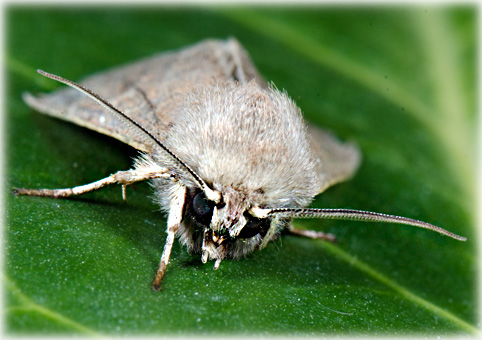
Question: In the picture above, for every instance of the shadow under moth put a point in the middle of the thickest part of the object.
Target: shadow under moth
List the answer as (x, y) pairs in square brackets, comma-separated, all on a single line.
[(229, 156)]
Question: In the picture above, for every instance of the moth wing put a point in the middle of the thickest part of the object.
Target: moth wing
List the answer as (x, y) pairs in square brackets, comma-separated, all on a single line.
[(149, 90), (337, 161)]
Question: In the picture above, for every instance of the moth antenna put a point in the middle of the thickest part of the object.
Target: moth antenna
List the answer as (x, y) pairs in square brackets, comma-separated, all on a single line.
[(210, 194), (349, 214)]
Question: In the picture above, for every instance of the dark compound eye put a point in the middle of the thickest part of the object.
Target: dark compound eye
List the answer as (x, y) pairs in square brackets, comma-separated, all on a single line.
[(202, 208), (254, 226)]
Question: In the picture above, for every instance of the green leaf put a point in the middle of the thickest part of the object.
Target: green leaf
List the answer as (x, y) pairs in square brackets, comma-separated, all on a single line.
[(399, 81)]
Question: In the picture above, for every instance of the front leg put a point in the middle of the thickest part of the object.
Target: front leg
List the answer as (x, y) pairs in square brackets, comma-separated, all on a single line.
[(121, 177), (173, 222)]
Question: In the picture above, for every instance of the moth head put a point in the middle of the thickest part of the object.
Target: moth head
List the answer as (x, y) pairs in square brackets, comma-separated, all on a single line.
[(226, 228)]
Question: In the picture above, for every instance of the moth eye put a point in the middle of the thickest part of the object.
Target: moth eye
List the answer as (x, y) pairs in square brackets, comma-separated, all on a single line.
[(202, 208), (254, 226)]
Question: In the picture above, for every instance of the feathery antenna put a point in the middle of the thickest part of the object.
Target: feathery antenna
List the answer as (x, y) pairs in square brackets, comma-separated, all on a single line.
[(349, 214)]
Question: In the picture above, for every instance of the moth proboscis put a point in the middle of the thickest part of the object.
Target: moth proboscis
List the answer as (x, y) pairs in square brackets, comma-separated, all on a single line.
[(229, 156)]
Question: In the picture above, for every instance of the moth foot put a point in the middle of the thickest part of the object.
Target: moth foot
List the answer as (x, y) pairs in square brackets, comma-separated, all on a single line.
[(318, 235)]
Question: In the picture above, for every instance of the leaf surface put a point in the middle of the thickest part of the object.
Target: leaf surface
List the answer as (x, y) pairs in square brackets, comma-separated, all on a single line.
[(398, 81)]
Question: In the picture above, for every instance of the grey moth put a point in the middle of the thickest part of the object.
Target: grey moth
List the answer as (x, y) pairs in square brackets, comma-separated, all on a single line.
[(228, 155)]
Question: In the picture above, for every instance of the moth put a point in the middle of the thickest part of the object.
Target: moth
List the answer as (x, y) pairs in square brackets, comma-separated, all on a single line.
[(229, 156)]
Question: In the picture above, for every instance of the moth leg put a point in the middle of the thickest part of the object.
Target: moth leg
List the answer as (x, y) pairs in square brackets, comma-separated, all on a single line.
[(270, 235), (124, 194), (121, 177), (311, 234), (173, 222)]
